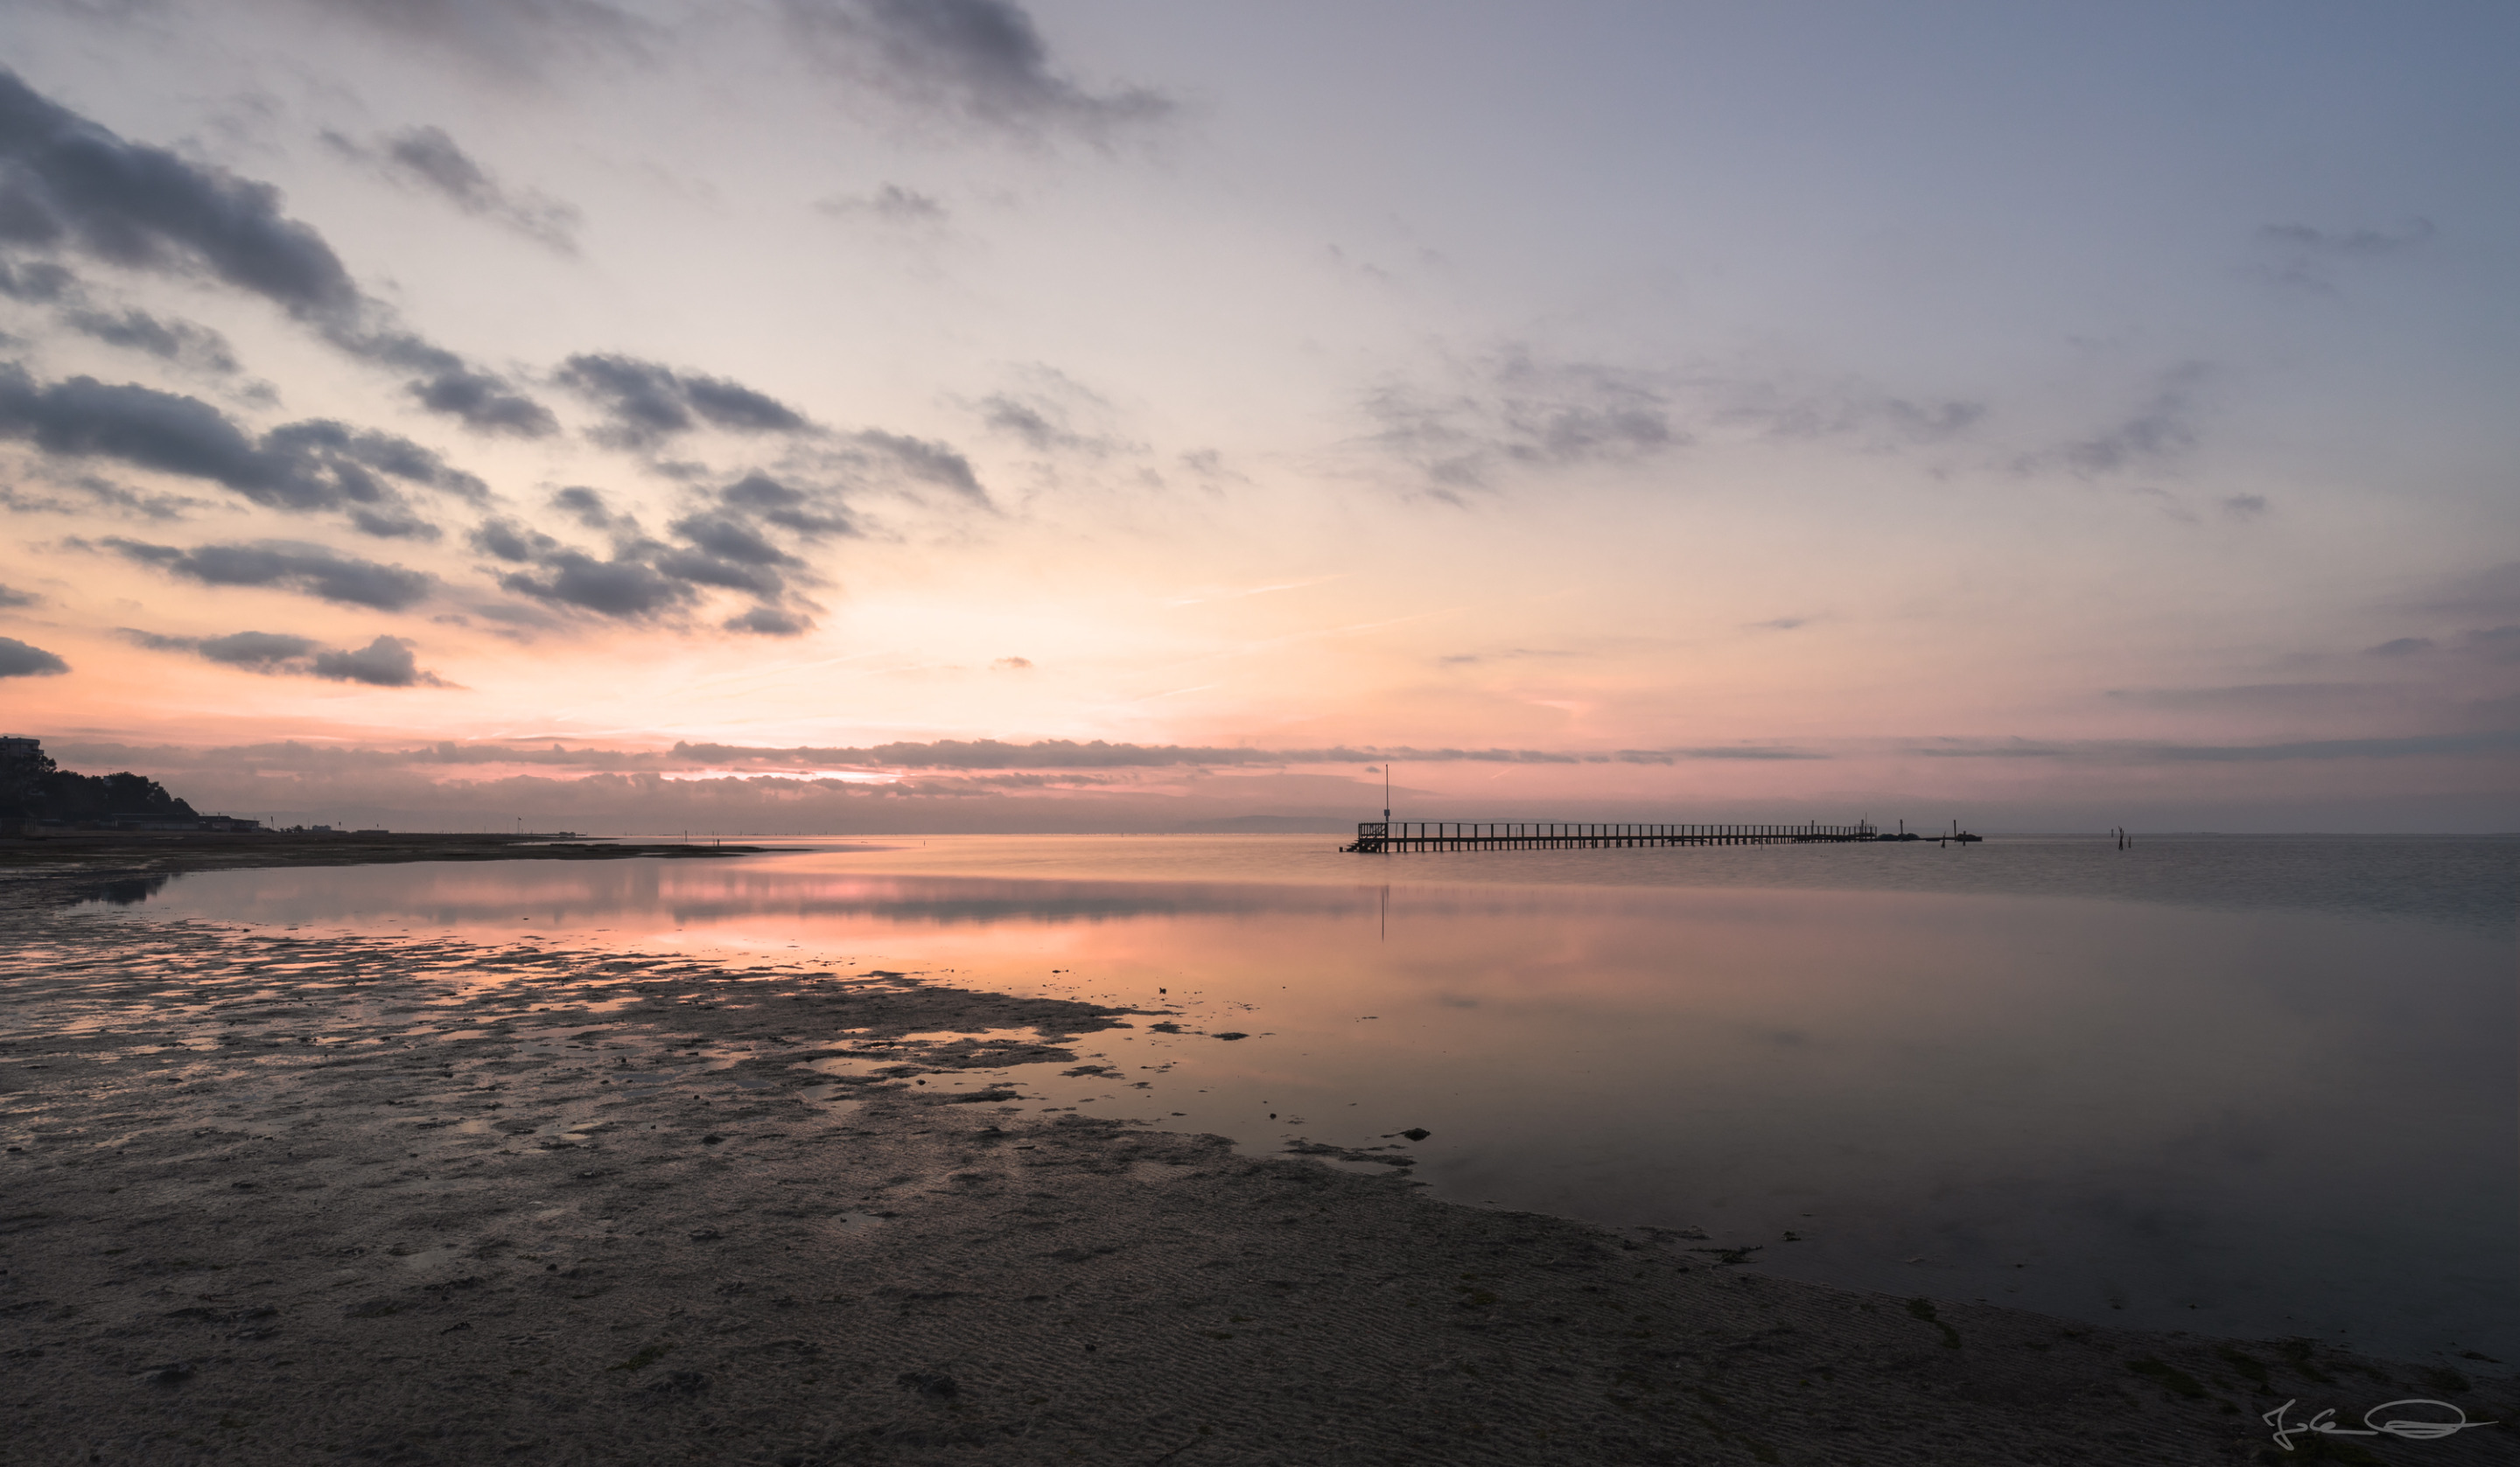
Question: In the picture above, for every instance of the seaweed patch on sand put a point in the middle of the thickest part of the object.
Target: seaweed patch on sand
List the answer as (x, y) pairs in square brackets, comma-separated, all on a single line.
[(271, 1200)]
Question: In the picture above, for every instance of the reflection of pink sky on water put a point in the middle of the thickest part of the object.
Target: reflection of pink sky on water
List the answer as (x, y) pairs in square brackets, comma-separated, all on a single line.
[(2066, 1104)]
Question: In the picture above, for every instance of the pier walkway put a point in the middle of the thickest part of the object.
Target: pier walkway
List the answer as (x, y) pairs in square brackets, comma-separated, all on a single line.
[(1378, 837)]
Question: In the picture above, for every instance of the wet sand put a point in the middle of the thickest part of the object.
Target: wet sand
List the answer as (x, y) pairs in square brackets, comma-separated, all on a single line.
[(281, 1200)]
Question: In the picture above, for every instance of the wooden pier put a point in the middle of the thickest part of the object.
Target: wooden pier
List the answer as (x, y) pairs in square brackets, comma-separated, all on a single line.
[(1379, 838)]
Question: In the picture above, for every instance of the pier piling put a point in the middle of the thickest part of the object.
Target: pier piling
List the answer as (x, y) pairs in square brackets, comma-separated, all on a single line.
[(1378, 837)]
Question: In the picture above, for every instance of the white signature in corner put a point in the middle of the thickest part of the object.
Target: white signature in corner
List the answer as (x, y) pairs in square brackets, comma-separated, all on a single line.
[(2411, 1429)]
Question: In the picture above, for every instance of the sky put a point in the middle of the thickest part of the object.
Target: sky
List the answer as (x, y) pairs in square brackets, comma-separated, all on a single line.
[(890, 415)]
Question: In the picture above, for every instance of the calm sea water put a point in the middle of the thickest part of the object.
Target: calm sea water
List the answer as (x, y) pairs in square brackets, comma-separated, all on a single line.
[(2264, 1086)]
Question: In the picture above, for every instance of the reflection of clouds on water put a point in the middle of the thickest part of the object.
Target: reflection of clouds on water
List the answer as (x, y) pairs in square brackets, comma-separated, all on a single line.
[(552, 898), (2473, 882), (521, 891), (2147, 1114)]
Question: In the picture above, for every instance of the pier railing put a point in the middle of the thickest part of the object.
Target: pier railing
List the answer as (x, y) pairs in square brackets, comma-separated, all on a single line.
[(1377, 836)]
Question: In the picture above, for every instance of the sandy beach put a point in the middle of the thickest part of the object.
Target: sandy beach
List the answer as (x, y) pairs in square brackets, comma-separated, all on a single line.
[(427, 1201)]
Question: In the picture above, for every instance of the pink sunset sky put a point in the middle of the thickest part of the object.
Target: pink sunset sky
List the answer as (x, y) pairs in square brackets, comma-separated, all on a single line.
[(890, 415)]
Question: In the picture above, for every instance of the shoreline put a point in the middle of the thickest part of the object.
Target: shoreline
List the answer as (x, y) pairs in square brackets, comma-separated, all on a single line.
[(415, 1200)]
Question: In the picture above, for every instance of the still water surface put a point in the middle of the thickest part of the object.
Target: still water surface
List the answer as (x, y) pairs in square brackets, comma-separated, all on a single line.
[(2251, 1086)]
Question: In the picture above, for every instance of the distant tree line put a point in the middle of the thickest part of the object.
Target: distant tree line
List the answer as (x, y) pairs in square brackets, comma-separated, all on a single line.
[(33, 787)]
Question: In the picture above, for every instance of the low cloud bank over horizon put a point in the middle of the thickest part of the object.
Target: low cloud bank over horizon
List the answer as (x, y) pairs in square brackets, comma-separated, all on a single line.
[(1063, 785)]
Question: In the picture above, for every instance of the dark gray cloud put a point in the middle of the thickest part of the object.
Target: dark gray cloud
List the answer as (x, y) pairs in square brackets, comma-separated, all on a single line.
[(2262, 697), (2356, 243), (1516, 406), (1024, 421), (254, 649), (729, 538), (304, 467), (2402, 646), (427, 158), (512, 542), (2496, 643), (2408, 746), (890, 204), (810, 517), (178, 341), (18, 660), (2013, 748), (1795, 411), (730, 541), (625, 587), (317, 440), (1061, 753), (1931, 421), (67, 184), (976, 61), (39, 282), (710, 567), (1721, 751), (45, 282), (485, 403), (504, 35), (648, 402), (2489, 594), (2411, 747), (1516, 409), (2157, 431), (2302, 256), (11, 597), (482, 401), (1521, 412), (1044, 421), (96, 494), (1208, 463), (769, 621), (386, 662), (289, 565), (587, 506), (931, 463), (739, 408)]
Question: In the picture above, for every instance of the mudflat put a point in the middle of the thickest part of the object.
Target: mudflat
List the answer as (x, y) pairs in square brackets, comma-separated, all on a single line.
[(418, 1201)]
